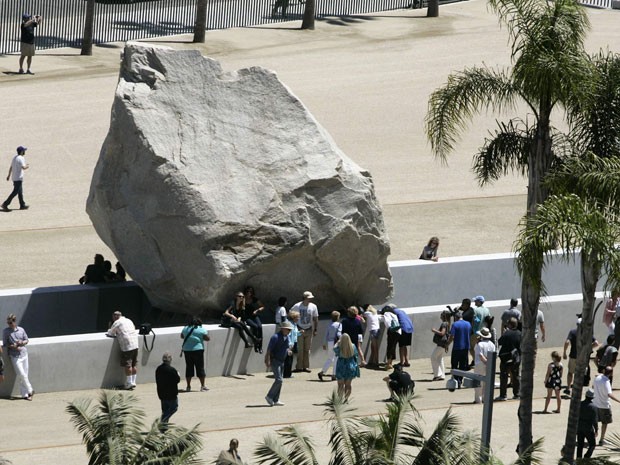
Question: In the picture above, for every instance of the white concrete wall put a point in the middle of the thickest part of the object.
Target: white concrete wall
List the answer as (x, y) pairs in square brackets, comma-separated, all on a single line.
[(84, 361)]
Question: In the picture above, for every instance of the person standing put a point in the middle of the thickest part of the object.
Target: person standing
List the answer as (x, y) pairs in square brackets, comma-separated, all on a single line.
[(571, 341), (602, 394), (512, 312), (483, 351), (347, 365), (15, 339), (125, 333), (1, 366), (390, 320), (194, 336), (16, 173), (281, 312), (459, 334), (29, 23), (277, 350), (167, 380), (406, 335), (308, 324), (480, 315), (587, 428), (332, 334), (510, 360), (440, 339)]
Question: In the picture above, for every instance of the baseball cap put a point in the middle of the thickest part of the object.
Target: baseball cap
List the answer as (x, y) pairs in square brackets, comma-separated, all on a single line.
[(26, 16), (308, 295), (478, 297), (22, 148)]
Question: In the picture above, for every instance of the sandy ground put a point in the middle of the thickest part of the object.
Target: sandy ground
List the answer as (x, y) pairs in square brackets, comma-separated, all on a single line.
[(366, 79)]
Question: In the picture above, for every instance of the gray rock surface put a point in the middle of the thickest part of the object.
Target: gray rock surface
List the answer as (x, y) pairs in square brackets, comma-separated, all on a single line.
[(208, 181)]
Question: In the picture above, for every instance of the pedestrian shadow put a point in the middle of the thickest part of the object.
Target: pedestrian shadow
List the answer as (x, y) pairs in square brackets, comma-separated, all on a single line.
[(258, 406)]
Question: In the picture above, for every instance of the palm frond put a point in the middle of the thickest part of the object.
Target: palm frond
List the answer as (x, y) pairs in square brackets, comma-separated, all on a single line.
[(300, 446), (506, 151), (344, 439), (451, 107), (272, 451), (532, 455)]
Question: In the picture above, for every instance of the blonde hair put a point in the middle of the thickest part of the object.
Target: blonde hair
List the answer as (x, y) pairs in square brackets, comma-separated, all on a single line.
[(346, 346), (293, 315), (556, 356), (335, 315), (352, 311), (371, 309)]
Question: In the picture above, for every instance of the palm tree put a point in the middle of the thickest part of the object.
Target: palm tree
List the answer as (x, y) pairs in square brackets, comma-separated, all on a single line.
[(549, 69), (87, 36), (113, 433), (200, 26), (583, 214), (394, 438), (309, 14)]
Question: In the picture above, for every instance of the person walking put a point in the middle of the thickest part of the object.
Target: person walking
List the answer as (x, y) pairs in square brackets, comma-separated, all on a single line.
[(16, 173), (308, 324), (587, 428), (27, 49), (125, 333), (553, 381), (15, 339), (602, 396), (347, 365), (167, 380), (277, 350), (194, 337)]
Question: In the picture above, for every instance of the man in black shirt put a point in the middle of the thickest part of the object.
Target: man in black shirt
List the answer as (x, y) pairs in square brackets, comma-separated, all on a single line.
[(399, 382), (27, 40), (510, 360), (587, 428), (167, 380)]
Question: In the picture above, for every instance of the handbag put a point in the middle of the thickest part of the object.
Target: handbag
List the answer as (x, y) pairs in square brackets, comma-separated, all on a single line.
[(394, 326)]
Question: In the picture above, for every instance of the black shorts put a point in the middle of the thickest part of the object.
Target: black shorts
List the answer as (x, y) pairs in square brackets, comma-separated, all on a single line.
[(405, 339)]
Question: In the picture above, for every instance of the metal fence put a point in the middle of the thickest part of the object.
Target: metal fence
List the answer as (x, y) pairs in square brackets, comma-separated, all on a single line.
[(122, 20)]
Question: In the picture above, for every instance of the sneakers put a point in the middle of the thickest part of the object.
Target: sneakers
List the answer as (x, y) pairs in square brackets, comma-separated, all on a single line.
[(21, 71), (501, 398), (269, 401), (278, 404), (29, 72), (24, 207), (204, 389), (307, 370), (5, 208), (130, 387), (320, 374), (516, 397)]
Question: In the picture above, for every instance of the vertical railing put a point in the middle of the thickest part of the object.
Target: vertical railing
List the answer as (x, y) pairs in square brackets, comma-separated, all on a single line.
[(63, 22)]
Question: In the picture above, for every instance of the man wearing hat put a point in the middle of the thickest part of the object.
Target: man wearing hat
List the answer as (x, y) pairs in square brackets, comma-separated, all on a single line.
[(308, 324), (16, 173), (587, 428), (29, 23), (482, 352), (277, 351), (480, 315)]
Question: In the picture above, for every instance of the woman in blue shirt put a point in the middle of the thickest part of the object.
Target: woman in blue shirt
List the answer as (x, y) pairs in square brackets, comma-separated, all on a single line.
[(194, 337), (347, 366)]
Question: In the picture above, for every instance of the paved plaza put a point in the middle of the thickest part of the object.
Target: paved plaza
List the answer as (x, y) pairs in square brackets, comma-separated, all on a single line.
[(367, 80)]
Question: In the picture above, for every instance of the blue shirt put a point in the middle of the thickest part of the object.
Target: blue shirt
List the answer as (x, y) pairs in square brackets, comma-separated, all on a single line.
[(460, 331), (195, 340), (278, 346), (403, 320)]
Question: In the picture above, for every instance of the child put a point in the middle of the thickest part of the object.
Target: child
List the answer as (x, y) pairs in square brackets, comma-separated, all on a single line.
[(333, 333), (553, 380), (293, 317), (372, 320)]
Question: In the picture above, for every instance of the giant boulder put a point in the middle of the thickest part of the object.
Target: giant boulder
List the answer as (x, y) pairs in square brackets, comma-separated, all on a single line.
[(208, 181)]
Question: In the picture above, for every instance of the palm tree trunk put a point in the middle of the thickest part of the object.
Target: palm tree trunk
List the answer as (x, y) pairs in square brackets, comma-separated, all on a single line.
[(309, 13), (432, 10), (539, 163), (590, 274), (87, 36), (200, 26)]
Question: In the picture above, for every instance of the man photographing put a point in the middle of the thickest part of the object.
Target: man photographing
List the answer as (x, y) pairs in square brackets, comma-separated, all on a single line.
[(29, 23)]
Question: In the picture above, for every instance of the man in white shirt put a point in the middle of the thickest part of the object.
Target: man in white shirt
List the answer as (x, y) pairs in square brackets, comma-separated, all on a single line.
[(18, 165), (602, 394), (308, 323), (125, 333), (482, 351)]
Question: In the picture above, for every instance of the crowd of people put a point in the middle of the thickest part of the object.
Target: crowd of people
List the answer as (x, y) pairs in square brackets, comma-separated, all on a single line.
[(100, 271)]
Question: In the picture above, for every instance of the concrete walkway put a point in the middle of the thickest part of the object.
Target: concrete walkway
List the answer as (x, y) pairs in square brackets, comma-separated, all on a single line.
[(39, 432)]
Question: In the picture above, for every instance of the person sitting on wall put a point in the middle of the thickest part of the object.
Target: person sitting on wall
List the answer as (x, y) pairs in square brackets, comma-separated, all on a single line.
[(95, 272), (399, 383)]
